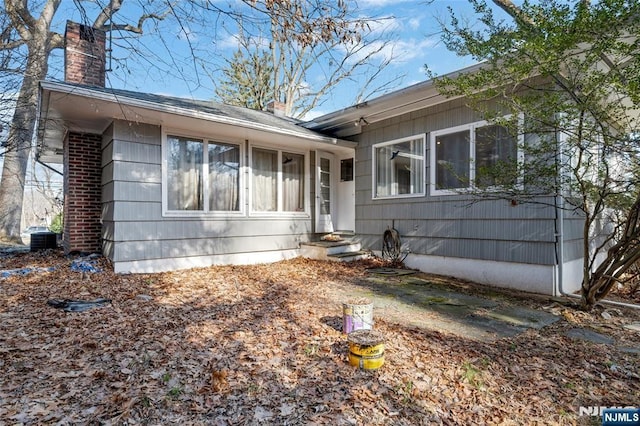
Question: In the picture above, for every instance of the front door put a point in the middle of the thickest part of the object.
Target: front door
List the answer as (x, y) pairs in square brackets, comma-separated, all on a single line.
[(324, 192)]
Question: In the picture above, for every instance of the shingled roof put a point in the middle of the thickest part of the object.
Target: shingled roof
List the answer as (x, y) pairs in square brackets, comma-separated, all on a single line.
[(60, 108)]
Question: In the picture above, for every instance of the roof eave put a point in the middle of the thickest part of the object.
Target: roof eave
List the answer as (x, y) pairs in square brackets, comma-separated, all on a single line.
[(49, 86), (405, 100)]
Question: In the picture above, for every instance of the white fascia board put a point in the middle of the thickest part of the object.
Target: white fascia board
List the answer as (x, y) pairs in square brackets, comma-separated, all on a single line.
[(170, 109)]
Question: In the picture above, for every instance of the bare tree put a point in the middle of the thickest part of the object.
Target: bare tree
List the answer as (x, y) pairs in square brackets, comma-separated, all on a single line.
[(31, 35), (301, 34)]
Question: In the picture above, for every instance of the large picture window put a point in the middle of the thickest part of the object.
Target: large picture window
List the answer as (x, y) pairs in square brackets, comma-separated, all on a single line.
[(478, 155), (278, 181), (399, 167), (202, 176)]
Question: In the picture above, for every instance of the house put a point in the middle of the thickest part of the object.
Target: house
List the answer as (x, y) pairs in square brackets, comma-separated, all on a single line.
[(159, 183), (413, 145)]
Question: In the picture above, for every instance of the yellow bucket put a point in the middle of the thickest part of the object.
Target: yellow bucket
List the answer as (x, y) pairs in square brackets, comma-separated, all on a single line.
[(366, 349)]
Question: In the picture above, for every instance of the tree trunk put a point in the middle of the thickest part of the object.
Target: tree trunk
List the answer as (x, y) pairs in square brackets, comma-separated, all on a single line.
[(19, 140)]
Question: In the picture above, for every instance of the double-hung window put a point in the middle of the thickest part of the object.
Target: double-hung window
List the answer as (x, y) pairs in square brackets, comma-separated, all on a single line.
[(277, 181), (202, 176), (480, 155), (399, 168)]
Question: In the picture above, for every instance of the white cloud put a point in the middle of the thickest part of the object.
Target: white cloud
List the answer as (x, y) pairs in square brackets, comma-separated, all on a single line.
[(414, 23), (314, 114), (412, 48), (185, 34), (399, 51), (383, 24), (229, 42), (232, 41)]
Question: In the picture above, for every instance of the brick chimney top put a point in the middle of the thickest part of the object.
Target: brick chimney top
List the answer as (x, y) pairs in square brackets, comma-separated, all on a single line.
[(279, 109), (84, 55)]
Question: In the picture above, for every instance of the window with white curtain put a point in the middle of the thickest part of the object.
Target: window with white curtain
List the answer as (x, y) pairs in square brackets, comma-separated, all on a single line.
[(399, 167), (264, 180), (224, 177), (277, 181), (478, 154), (202, 175), (292, 182), (184, 173)]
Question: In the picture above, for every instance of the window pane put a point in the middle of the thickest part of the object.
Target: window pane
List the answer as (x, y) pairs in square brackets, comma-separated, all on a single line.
[(496, 156), (224, 177), (264, 182), (400, 168), (452, 160), (346, 170), (184, 174), (292, 182), (325, 186)]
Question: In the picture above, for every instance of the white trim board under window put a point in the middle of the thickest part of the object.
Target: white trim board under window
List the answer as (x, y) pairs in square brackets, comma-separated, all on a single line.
[(460, 155), (398, 168), (201, 176)]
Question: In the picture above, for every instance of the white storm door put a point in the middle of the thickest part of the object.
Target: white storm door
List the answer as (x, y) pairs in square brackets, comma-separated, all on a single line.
[(324, 192)]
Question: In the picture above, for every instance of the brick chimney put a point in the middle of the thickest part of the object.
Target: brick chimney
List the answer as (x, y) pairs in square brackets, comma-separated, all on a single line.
[(84, 63), (84, 55), (279, 109)]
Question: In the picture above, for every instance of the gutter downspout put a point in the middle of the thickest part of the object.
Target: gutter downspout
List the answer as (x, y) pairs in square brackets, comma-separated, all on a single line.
[(559, 207), (36, 157)]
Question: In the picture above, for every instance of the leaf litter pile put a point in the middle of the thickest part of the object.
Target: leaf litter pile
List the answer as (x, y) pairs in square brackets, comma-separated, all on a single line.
[(263, 345)]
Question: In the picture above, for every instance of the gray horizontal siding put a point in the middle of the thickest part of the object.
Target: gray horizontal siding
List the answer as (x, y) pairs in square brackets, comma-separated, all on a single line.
[(493, 250), (476, 229), (137, 152), (136, 172), (178, 229), (139, 133), (573, 228), (132, 202), (453, 226), (107, 189), (132, 211), (169, 249), (449, 209), (132, 191)]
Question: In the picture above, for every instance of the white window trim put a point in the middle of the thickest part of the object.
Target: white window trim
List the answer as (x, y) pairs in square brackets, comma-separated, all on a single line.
[(472, 149), (205, 160), (373, 168), (307, 183)]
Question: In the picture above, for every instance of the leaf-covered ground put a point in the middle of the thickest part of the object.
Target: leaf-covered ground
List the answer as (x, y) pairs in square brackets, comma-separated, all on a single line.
[(262, 345)]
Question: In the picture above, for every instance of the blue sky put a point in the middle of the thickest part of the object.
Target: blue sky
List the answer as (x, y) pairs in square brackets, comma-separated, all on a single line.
[(166, 66)]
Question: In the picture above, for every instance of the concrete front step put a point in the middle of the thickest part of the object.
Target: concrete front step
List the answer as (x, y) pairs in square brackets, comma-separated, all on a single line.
[(343, 251), (350, 256)]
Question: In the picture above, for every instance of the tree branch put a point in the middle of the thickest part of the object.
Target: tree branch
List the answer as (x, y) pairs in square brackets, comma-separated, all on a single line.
[(107, 14), (20, 17), (56, 41), (515, 12), (12, 44)]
